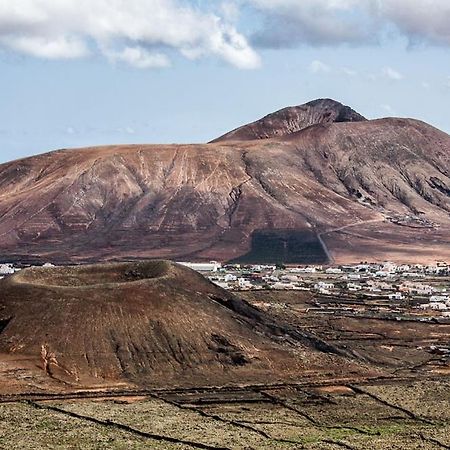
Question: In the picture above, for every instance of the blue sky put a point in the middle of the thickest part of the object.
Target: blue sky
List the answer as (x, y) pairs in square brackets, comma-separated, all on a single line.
[(79, 73)]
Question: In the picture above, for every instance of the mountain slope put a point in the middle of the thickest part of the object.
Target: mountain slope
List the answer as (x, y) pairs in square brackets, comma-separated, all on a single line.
[(363, 189)]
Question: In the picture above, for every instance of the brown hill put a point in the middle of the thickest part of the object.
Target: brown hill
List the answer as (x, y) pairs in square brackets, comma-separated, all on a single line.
[(292, 119), (148, 323), (342, 191)]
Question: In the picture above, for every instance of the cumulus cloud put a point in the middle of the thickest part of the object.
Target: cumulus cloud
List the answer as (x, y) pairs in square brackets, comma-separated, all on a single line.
[(142, 33), (332, 22)]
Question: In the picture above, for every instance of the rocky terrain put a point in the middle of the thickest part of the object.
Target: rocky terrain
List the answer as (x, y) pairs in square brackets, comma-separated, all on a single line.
[(360, 189)]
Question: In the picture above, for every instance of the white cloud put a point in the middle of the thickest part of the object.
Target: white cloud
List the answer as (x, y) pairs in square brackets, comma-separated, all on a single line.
[(59, 47), (230, 10), (426, 85), (139, 57), (391, 74), (316, 22), (139, 32), (355, 22), (319, 67)]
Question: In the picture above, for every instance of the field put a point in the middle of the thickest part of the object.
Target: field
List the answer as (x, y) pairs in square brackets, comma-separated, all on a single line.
[(404, 405), (376, 416), (284, 246)]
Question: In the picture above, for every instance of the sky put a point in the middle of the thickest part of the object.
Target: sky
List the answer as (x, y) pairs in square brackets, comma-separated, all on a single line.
[(77, 73)]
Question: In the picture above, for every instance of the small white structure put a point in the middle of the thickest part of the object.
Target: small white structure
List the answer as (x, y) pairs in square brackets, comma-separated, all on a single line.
[(244, 284), (321, 285), (439, 298), (284, 286), (333, 270), (389, 266), (291, 278), (230, 277), (383, 274), (396, 296), (354, 276), (6, 269), (212, 266), (354, 287), (303, 270)]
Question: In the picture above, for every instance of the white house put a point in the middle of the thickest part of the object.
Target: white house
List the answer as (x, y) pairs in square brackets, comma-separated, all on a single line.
[(243, 283), (6, 269), (230, 277), (353, 287)]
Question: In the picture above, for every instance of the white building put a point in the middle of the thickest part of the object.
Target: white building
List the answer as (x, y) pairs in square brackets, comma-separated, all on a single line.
[(321, 285), (396, 296), (230, 277), (439, 298), (354, 287), (303, 270), (212, 266), (244, 284), (6, 269)]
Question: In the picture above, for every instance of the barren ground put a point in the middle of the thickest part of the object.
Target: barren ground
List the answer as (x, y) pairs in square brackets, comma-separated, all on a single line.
[(406, 408)]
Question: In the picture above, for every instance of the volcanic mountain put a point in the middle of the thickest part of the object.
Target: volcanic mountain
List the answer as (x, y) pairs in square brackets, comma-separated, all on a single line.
[(292, 119), (313, 183), (146, 323)]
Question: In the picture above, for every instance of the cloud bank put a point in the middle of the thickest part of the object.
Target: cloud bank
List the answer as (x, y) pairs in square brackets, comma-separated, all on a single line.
[(141, 33), (288, 23), (147, 33)]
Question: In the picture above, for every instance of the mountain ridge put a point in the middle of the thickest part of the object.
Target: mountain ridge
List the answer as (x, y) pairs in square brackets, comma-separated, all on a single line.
[(360, 189)]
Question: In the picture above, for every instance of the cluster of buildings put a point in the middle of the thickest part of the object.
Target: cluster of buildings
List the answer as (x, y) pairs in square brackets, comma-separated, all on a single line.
[(428, 284)]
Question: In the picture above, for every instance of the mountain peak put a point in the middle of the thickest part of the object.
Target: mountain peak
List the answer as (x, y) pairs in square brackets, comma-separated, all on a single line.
[(292, 119)]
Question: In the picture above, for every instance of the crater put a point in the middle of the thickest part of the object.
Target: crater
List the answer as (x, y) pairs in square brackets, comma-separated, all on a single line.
[(103, 274)]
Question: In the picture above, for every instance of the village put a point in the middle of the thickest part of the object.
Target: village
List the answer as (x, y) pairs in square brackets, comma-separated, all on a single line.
[(419, 287)]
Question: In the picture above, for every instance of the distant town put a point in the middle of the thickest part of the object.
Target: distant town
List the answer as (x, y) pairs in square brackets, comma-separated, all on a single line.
[(422, 287)]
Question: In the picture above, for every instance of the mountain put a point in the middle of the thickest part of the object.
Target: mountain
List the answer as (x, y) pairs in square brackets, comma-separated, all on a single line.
[(292, 119), (340, 190), (145, 323)]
